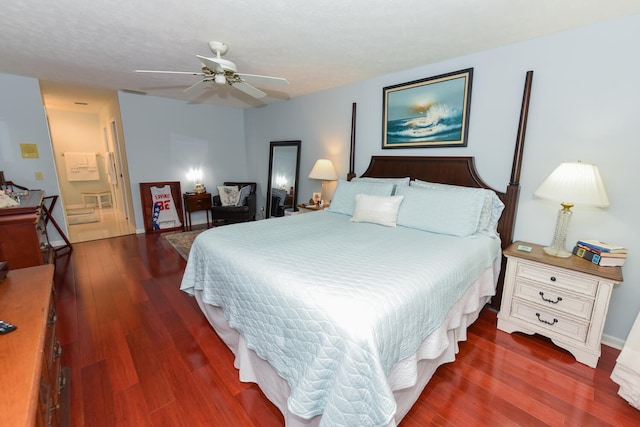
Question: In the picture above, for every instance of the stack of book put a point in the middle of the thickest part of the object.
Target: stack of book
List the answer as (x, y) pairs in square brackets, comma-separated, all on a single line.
[(600, 253)]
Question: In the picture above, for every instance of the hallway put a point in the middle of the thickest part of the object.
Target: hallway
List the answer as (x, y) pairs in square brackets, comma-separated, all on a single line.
[(111, 224)]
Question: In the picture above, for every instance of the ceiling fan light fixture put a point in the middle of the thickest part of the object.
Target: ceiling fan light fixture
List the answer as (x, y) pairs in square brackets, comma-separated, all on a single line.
[(220, 79)]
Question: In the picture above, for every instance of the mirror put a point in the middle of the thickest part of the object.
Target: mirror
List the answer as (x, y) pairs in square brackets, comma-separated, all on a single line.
[(282, 186)]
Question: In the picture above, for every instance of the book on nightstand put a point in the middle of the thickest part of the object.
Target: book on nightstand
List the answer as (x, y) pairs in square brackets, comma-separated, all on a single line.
[(599, 247), (602, 259)]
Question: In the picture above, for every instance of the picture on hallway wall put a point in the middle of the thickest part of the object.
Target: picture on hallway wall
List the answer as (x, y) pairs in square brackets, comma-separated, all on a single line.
[(432, 112), (161, 206)]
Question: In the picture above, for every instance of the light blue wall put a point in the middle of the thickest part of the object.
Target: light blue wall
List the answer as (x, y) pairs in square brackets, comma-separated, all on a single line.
[(584, 106), (23, 121), (166, 138)]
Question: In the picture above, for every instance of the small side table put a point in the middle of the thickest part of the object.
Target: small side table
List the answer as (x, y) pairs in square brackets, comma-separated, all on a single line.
[(564, 299), (195, 202), (302, 208)]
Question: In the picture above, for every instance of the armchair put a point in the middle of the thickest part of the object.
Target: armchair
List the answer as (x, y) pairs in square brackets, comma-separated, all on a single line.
[(233, 214)]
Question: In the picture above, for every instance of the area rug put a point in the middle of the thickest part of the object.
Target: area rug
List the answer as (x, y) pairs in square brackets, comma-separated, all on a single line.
[(182, 241), (82, 219), (80, 211)]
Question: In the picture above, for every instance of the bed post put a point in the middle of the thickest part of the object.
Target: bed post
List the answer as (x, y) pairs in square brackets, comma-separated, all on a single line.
[(352, 151), (513, 189)]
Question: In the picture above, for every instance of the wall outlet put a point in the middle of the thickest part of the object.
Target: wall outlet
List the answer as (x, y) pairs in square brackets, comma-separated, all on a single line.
[(39, 176), (262, 208)]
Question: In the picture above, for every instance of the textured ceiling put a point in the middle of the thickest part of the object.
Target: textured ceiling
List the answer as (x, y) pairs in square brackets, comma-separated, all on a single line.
[(315, 45)]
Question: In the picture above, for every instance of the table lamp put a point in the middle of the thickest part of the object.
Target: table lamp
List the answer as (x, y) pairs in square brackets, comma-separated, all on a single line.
[(324, 170), (571, 184)]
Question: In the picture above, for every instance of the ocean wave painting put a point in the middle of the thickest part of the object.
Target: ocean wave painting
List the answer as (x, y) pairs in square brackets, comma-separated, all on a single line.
[(439, 123), (429, 112)]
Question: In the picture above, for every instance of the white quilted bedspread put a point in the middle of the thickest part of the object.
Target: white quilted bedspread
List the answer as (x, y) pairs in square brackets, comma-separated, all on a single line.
[(333, 305)]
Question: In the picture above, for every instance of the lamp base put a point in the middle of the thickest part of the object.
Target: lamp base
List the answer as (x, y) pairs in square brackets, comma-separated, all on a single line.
[(559, 252), (557, 246)]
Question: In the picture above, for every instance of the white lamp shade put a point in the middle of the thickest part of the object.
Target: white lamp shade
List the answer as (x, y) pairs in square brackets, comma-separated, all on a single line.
[(577, 183), (323, 169)]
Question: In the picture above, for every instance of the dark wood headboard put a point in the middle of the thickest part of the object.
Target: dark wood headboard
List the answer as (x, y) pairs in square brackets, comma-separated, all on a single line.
[(460, 171), (448, 170)]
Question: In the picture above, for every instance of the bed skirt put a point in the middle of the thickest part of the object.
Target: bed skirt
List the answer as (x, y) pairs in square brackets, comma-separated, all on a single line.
[(407, 379)]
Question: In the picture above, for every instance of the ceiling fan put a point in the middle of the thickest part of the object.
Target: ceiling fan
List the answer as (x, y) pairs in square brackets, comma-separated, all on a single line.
[(223, 71)]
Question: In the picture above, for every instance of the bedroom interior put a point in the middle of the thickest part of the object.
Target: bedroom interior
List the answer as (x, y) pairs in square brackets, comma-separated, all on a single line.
[(581, 109)]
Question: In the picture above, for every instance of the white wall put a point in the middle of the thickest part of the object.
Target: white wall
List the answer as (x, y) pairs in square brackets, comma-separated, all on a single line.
[(584, 106), (166, 138), (23, 121)]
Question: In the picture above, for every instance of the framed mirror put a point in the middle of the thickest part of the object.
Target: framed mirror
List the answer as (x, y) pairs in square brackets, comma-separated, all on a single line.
[(282, 185)]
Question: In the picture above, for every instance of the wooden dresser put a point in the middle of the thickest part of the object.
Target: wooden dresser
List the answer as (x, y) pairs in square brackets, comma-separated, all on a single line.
[(23, 240), (31, 379)]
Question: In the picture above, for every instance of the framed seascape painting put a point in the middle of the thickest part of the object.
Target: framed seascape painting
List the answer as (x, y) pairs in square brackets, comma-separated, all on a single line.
[(432, 112)]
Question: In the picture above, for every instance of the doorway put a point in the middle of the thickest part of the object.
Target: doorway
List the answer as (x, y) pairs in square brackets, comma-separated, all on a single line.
[(88, 149)]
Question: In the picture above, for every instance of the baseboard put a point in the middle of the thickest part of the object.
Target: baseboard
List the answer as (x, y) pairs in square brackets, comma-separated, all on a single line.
[(613, 342)]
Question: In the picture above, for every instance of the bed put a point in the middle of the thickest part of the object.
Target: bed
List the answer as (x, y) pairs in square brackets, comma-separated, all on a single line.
[(340, 316)]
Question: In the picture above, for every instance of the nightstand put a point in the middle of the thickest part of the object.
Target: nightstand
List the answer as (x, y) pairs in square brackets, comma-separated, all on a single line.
[(564, 299), (302, 208), (195, 202)]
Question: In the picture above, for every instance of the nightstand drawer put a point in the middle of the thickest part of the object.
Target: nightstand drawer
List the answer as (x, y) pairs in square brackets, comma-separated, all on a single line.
[(550, 320), (553, 298), (556, 278), (198, 203)]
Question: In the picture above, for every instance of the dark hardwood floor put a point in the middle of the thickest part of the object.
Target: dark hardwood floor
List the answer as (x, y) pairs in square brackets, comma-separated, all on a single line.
[(141, 354)]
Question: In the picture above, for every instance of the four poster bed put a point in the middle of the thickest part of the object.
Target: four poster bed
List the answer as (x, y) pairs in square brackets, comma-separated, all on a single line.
[(342, 316)]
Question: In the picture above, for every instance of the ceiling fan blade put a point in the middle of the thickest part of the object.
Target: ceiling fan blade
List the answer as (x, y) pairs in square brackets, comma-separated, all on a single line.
[(191, 73), (249, 90), (211, 63), (197, 84), (254, 78)]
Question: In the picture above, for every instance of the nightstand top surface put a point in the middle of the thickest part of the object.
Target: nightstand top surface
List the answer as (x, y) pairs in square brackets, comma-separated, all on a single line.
[(574, 263)]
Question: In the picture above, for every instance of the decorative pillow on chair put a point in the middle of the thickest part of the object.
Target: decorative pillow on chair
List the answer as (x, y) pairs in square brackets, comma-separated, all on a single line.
[(280, 194), (229, 195), (243, 194)]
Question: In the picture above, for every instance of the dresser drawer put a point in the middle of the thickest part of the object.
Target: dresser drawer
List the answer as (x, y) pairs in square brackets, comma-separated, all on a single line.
[(549, 320), (556, 278), (554, 298)]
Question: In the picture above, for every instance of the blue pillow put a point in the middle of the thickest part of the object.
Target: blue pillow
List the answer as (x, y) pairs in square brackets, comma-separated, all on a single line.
[(445, 212), (243, 194), (344, 198), (395, 181), (491, 210)]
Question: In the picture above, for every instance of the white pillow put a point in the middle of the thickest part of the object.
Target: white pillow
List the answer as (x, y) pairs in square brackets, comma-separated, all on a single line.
[(229, 194), (491, 209), (344, 198), (445, 212), (381, 210)]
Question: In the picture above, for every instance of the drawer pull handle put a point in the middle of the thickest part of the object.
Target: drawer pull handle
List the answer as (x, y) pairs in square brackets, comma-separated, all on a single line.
[(57, 351), (546, 321), (549, 300), (552, 278)]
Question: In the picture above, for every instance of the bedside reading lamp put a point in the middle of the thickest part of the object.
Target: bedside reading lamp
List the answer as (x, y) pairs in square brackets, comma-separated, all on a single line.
[(195, 175), (324, 170), (579, 183)]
